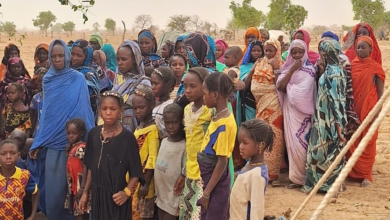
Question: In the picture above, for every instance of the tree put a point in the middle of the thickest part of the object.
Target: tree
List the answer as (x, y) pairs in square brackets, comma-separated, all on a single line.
[(69, 26), (56, 28), (9, 28), (96, 27), (207, 28), (143, 21), (372, 12), (197, 23), (44, 20), (294, 17), (82, 7), (245, 15), (110, 25), (179, 22)]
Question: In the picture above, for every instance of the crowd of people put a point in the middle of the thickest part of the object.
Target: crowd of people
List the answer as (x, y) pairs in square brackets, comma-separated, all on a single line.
[(197, 131)]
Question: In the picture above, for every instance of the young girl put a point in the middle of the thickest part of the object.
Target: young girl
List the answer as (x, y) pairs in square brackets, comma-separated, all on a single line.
[(163, 82), (113, 163), (15, 115), (148, 142), (247, 196), (196, 119), (148, 44), (41, 57), (167, 50), (75, 131), (170, 163), (217, 147), (36, 104), (178, 64)]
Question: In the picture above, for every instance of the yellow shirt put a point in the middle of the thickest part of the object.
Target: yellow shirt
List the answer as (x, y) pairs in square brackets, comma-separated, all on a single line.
[(148, 143), (195, 126), (220, 137)]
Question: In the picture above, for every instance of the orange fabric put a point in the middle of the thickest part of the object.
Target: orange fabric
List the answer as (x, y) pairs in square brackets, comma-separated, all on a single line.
[(365, 94), (250, 31), (376, 52), (3, 70), (44, 46)]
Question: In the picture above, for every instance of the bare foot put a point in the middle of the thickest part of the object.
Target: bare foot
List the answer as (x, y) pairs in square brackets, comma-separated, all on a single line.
[(293, 186), (276, 183), (365, 183)]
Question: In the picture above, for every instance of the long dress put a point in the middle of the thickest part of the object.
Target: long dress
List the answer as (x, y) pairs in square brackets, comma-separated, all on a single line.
[(111, 165)]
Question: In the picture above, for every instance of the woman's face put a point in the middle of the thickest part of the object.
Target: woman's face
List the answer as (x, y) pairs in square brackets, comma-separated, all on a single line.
[(125, 59), (270, 51), (165, 51), (256, 53), (146, 44), (299, 36), (77, 57), (42, 55), (95, 45), (363, 49), (250, 38), (58, 57), (15, 69), (13, 53), (180, 48), (218, 52), (297, 53), (362, 31)]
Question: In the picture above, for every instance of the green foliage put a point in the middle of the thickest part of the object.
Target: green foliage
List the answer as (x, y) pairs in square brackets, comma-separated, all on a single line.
[(69, 26), (81, 7), (232, 25), (44, 20), (56, 28), (110, 25), (96, 27), (275, 17), (207, 28), (245, 15), (179, 22), (372, 12), (197, 23), (9, 28), (143, 21), (294, 17)]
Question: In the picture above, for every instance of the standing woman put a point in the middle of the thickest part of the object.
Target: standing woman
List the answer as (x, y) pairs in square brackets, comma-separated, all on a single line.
[(297, 90), (221, 47), (302, 34), (130, 76), (109, 50), (82, 55), (251, 34), (264, 76), (368, 80), (148, 45), (11, 50), (330, 117), (364, 29), (66, 96), (200, 51)]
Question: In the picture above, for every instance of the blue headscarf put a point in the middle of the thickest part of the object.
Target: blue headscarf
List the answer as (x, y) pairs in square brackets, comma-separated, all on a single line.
[(109, 50), (331, 35), (151, 59), (247, 55)]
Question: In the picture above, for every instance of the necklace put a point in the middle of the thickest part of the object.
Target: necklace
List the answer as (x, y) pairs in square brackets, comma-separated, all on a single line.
[(218, 113), (142, 125), (105, 141), (257, 164), (107, 132)]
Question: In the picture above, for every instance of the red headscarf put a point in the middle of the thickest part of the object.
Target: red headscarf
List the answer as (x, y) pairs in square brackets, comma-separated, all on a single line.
[(376, 52), (250, 31), (313, 56), (223, 45)]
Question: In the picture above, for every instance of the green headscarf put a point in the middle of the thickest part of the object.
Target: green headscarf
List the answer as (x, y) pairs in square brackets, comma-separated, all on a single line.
[(96, 36)]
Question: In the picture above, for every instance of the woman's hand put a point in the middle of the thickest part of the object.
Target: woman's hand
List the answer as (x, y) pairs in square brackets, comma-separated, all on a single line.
[(179, 185), (274, 63), (143, 191), (205, 201), (83, 201), (120, 198), (321, 66), (34, 154), (297, 64)]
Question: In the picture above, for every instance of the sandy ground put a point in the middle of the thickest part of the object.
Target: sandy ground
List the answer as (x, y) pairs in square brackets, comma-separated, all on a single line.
[(356, 203)]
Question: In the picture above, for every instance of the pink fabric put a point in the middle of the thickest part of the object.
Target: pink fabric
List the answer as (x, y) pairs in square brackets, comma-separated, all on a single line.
[(313, 56), (298, 107), (103, 63), (223, 45)]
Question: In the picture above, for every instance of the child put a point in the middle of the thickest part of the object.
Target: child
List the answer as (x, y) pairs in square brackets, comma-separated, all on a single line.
[(149, 71), (233, 55), (217, 148), (163, 82), (196, 119), (113, 163), (105, 74), (75, 131), (170, 162), (178, 64), (41, 57), (36, 104), (167, 50), (148, 143), (15, 115), (247, 196), (15, 183)]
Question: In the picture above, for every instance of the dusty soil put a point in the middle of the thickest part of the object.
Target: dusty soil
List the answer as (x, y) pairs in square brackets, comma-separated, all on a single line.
[(356, 203)]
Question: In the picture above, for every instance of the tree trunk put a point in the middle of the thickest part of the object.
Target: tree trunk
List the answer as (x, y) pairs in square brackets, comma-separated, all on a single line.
[(46, 33)]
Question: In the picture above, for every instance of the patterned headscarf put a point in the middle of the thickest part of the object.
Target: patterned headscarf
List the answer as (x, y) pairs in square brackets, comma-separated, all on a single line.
[(149, 34), (96, 36), (223, 45), (276, 44), (15, 60), (137, 55), (109, 50), (247, 55), (331, 49), (7, 50), (200, 50)]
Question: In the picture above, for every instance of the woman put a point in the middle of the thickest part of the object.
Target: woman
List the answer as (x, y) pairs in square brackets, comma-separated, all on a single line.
[(326, 137), (96, 41), (11, 50), (200, 51), (41, 57), (109, 50), (221, 47), (148, 45), (82, 55), (179, 45), (267, 103), (66, 96), (251, 34), (302, 34), (364, 29), (368, 80), (297, 90), (130, 75)]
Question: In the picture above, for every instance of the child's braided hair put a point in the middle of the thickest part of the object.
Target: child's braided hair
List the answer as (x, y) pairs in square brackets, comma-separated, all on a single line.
[(260, 131)]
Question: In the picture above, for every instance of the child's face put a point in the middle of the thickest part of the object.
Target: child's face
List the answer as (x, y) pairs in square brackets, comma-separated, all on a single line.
[(77, 57), (297, 53), (193, 87), (172, 124), (13, 94), (16, 69), (73, 134), (250, 38), (230, 59), (96, 58), (42, 55), (9, 154), (110, 110), (270, 51), (158, 87), (299, 36), (165, 51), (178, 66), (264, 37), (13, 53), (256, 52), (125, 59), (248, 146), (218, 52), (146, 44), (95, 45), (141, 107), (209, 97), (363, 49), (180, 48)]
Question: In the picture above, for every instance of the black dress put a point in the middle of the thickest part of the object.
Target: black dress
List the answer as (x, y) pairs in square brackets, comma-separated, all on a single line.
[(119, 156)]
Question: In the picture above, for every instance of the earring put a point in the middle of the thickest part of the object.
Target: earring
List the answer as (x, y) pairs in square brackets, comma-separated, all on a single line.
[(120, 121), (261, 147)]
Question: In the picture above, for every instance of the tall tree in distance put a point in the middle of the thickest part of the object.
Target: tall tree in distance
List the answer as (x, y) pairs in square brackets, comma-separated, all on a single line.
[(294, 17), (56, 28), (245, 15), (275, 16), (44, 20), (143, 21), (179, 22), (69, 26), (96, 27), (372, 12), (196, 22), (9, 27), (110, 25)]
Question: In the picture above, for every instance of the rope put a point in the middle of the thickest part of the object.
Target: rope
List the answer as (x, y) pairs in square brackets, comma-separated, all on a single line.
[(351, 162), (336, 162)]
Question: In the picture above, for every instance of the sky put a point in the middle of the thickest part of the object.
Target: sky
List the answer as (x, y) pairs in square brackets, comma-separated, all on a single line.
[(21, 12)]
